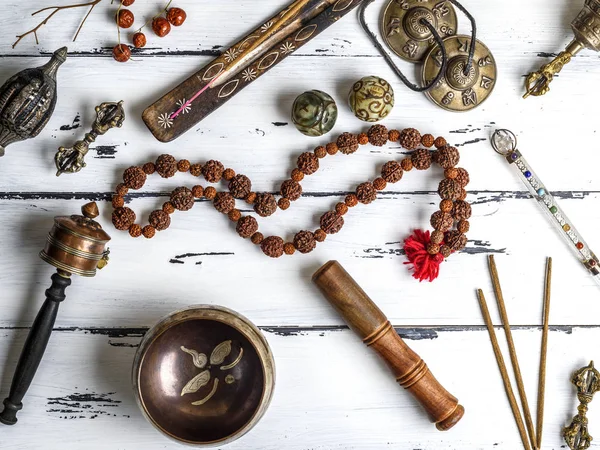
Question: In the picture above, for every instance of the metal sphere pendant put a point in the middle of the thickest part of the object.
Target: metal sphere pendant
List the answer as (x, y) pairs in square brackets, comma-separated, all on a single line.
[(403, 31), (371, 99), (459, 90), (314, 113)]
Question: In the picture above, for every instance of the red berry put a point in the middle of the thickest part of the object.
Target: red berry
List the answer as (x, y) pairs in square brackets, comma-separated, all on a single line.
[(125, 18), (176, 16), (121, 53), (139, 40), (161, 26), (127, 2)]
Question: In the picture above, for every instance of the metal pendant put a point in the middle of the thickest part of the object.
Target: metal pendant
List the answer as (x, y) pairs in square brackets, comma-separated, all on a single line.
[(403, 31), (457, 90)]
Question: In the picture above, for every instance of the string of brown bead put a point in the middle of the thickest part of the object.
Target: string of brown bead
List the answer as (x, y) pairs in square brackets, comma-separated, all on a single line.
[(445, 239)]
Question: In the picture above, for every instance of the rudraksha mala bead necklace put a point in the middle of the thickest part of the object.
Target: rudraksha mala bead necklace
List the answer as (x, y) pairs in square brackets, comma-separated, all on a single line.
[(425, 251)]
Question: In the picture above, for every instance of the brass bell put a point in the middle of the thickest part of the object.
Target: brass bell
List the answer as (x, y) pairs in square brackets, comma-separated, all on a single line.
[(586, 27)]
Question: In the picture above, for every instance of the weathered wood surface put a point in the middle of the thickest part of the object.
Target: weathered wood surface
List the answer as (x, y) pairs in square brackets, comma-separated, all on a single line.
[(83, 391)]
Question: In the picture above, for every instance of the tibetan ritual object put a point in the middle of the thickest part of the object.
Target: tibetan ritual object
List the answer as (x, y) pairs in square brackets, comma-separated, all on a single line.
[(27, 101), (75, 245), (587, 382), (204, 375), (373, 327), (314, 113), (250, 58), (586, 27), (71, 160)]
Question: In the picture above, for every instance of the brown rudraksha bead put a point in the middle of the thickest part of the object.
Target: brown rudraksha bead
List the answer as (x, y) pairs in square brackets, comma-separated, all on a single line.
[(393, 135), (379, 183), (272, 246), (441, 221), (437, 236), (449, 189), (366, 193), (228, 174), (123, 218), (331, 222), (213, 171), (148, 169), (410, 138), (462, 195), (446, 205), (224, 202), (320, 152), (463, 226), (447, 157), (462, 176), (196, 170), (183, 165), (122, 190), (341, 208), (392, 172), (240, 186), (445, 251), (421, 159), (166, 166), (347, 143), (134, 177), (265, 204), (427, 140), (234, 215), (351, 200), (135, 230), (455, 240), (288, 248), (461, 210), (451, 173), (148, 231), (257, 238), (297, 175), (198, 191), (160, 219), (118, 201), (439, 142), (283, 203), (363, 139), (378, 135), (250, 198), (331, 148), (319, 235), (304, 241), (168, 207), (433, 249), (291, 189), (210, 193), (406, 164), (246, 226), (308, 163), (182, 199)]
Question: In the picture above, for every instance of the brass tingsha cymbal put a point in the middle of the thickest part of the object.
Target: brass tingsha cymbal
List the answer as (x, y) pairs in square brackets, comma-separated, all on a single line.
[(458, 91), (406, 35)]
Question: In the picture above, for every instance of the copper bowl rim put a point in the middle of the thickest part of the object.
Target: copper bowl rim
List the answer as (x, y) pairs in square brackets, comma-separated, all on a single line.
[(234, 320)]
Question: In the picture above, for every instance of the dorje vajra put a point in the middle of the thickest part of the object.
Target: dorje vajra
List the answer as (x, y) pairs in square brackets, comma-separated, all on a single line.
[(71, 159), (586, 27), (587, 382)]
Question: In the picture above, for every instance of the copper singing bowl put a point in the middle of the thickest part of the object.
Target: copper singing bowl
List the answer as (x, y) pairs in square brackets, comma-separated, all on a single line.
[(204, 375)]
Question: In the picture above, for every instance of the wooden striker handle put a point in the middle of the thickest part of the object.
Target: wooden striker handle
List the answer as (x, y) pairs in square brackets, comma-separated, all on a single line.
[(373, 327)]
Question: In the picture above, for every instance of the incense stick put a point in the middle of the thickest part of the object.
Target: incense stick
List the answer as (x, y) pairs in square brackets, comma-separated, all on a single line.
[(503, 372), (544, 351), (511, 349)]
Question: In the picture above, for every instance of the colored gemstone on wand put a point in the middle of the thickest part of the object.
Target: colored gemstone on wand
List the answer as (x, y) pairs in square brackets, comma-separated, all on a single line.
[(527, 174), (541, 192), (553, 209), (579, 245), (514, 156), (566, 227)]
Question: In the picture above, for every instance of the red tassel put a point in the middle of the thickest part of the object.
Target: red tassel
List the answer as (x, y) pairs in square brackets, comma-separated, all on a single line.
[(425, 266)]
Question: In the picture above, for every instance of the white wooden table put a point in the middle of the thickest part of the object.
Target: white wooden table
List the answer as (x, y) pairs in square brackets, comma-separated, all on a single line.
[(331, 393)]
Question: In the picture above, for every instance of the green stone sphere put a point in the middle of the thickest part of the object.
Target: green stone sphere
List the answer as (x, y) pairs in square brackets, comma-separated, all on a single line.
[(371, 99), (314, 113)]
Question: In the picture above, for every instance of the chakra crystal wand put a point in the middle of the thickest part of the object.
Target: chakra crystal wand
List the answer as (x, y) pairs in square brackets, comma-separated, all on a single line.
[(505, 143)]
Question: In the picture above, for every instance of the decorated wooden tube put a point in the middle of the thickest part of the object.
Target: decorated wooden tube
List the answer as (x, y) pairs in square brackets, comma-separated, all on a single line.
[(373, 327)]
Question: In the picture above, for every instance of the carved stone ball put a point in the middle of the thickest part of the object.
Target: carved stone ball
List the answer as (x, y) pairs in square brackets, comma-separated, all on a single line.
[(123, 218), (224, 202), (410, 138), (421, 159), (441, 221), (240, 186), (378, 135), (160, 219), (366, 193), (272, 246), (455, 240), (304, 241), (462, 177), (182, 199), (308, 163), (347, 143), (265, 204), (246, 226), (449, 189), (392, 172), (212, 171), (134, 177), (166, 166), (291, 190), (461, 210), (314, 113), (371, 99), (447, 157), (331, 222)]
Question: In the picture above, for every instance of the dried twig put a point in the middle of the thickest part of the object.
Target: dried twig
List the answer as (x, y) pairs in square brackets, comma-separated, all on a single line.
[(56, 9)]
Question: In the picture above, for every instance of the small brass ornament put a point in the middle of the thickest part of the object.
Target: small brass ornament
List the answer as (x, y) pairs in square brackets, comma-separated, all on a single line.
[(586, 27), (462, 88), (587, 382), (71, 160), (406, 35)]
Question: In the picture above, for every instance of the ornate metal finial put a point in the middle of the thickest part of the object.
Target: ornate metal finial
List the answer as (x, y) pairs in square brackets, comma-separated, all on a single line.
[(71, 160), (504, 141), (587, 382)]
